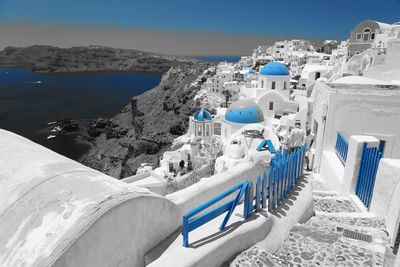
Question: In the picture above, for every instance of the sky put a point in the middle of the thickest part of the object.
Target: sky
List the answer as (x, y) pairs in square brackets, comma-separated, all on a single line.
[(184, 27)]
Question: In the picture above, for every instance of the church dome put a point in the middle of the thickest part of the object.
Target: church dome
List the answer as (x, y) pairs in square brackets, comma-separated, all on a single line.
[(244, 111), (274, 68), (202, 115)]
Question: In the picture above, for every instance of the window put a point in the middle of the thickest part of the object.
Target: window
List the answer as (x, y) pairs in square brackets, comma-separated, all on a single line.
[(217, 128), (284, 85), (207, 130), (271, 105), (366, 34), (317, 75), (358, 36), (262, 83), (372, 36), (273, 85)]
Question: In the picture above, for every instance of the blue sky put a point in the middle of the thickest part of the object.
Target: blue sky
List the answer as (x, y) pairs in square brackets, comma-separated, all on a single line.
[(307, 18)]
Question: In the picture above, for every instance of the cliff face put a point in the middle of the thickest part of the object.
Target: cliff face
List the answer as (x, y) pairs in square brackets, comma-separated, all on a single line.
[(54, 59), (146, 127)]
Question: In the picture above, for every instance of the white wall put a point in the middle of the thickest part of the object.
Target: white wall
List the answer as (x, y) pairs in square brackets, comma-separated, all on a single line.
[(357, 112), (208, 188), (265, 81), (57, 212), (386, 195)]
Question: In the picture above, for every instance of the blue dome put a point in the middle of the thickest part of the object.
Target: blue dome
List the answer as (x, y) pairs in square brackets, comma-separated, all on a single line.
[(251, 72), (274, 68), (202, 115), (244, 111)]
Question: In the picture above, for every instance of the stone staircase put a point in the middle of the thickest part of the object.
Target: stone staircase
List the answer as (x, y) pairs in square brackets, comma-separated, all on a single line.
[(342, 233)]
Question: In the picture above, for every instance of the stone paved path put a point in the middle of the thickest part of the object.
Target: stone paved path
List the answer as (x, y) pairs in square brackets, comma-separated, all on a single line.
[(320, 241)]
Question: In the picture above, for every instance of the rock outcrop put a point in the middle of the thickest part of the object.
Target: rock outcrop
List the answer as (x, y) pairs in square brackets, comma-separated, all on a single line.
[(146, 127), (48, 59)]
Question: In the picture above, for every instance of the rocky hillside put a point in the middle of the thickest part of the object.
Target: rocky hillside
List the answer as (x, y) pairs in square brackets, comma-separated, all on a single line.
[(41, 58), (146, 127)]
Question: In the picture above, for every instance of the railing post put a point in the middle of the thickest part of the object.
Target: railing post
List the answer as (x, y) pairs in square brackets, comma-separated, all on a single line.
[(251, 199), (258, 194), (247, 202), (264, 191), (270, 184), (185, 231)]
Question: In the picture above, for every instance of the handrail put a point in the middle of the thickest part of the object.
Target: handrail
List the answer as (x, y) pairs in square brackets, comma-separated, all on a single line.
[(190, 225)]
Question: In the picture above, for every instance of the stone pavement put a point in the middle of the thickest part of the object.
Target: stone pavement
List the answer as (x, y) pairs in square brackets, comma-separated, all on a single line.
[(321, 240)]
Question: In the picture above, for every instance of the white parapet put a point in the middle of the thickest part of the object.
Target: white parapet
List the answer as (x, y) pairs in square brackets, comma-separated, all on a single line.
[(386, 195)]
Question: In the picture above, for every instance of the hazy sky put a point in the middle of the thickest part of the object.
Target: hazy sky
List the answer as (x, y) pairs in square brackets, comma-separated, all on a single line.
[(184, 27)]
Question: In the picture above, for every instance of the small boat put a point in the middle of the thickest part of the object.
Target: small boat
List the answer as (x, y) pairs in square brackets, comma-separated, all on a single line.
[(56, 129), (52, 123), (35, 82), (51, 136)]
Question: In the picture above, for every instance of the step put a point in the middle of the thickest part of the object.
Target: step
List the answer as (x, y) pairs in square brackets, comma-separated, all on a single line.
[(335, 205), (257, 257), (334, 224), (325, 193), (311, 246), (362, 222)]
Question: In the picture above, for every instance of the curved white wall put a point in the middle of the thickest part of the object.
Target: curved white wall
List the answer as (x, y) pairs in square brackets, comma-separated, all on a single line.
[(123, 235), (55, 211)]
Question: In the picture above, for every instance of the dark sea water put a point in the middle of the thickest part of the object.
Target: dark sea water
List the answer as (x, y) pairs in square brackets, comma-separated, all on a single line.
[(26, 106), (219, 58)]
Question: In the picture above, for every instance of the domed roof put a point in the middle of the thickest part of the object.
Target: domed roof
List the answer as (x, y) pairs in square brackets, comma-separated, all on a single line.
[(202, 115), (274, 68), (244, 111), (251, 72)]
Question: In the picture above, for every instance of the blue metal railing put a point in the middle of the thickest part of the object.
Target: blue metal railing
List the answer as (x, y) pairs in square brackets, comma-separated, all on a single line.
[(189, 223), (284, 173), (341, 147), (368, 168)]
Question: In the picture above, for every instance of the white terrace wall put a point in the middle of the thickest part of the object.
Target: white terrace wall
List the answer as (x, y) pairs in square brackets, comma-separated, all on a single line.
[(386, 196), (365, 112), (208, 188)]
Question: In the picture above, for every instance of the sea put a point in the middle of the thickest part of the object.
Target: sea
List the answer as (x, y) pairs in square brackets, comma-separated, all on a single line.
[(28, 101), (218, 58)]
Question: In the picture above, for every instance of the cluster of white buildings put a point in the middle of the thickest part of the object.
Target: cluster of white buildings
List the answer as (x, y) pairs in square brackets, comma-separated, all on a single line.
[(351, 88)]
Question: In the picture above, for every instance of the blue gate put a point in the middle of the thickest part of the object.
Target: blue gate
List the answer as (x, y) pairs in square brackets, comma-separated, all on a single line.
[(366, 177)]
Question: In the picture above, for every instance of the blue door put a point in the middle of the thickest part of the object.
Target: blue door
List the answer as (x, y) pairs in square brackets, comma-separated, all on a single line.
[(368, 169)]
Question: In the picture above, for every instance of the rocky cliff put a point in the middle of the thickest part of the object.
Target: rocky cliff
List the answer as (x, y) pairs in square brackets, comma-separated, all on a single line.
[(41, 58), (146, 127)]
